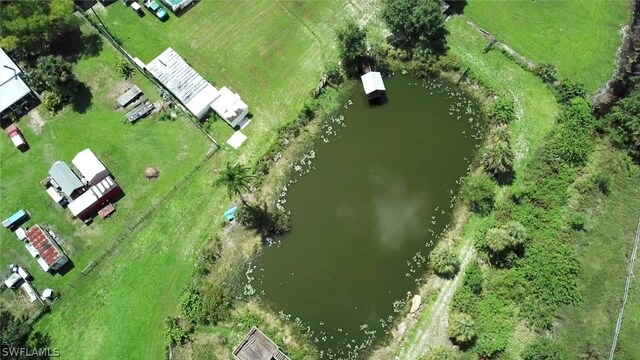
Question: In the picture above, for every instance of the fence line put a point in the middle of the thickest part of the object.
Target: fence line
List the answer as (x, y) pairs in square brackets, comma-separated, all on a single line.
[(632, 261), (102, 29), (130, 229)]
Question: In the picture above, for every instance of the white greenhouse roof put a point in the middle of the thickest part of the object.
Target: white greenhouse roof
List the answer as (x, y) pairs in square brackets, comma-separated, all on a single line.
[(372, 81), (12, 88)]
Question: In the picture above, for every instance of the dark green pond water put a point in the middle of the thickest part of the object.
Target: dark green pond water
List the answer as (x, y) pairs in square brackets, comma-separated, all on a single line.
[(372, 199)]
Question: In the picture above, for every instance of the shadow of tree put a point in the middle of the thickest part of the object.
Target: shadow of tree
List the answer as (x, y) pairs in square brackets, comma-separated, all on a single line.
[(456, 6), (82, 99), (76, 45)]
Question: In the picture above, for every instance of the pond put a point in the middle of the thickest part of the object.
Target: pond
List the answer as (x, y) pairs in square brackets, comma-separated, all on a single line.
[(367, 205)]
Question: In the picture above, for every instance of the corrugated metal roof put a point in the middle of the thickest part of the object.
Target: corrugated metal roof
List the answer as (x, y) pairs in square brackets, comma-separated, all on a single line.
[(183, 81), (49, 251), (12, 88), (64, 177)]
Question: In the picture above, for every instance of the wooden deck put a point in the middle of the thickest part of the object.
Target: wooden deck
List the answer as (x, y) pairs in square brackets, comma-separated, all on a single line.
[(257, 346)]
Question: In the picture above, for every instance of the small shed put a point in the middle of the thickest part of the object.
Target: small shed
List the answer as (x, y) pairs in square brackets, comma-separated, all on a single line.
[(90, 167), (18, 218), (129, 96), (13, 280), (49, 254), (229, 106), (373, 85), (257, 346), (66, 179)]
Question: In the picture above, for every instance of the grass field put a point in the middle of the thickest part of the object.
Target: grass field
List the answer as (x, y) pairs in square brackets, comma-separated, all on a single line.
[(536, 106), (269, 52), (579, 37), (175, 147), (604, 251)]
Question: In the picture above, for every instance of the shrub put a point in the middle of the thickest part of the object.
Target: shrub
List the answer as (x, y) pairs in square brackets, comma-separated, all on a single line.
[(543, 348), (191, 304), (498, 157), (333, 72), (624, 124), (478, 193), (52, 101), (216, 305), (175, 332), (444, 261), (567, 90), (440, 353), (495, 323), (473, 278), (502, 111), (602, 182), (462, 329), (579, 221), (546, 71)]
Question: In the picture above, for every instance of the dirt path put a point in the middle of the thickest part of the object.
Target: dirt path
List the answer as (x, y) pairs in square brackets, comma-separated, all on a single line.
[(432, 330)]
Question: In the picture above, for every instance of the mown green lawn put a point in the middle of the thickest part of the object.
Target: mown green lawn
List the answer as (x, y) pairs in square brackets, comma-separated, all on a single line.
[(536, 105), (579, 37), (174, 147), (272, 54)]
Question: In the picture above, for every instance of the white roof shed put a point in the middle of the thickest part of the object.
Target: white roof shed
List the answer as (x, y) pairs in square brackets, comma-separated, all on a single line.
[(12, 88), (90, 167), (372, 81), (230, 106)]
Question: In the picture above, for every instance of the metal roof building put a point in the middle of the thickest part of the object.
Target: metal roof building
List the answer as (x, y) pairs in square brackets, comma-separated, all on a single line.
[(50, 255), (257, 346), (88, 204), (193, 91), (66, 179), (90, 167), (12, 88)]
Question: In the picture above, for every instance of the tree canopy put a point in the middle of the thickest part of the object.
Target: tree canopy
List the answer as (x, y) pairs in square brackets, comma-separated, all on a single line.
[(30, 27), (352, 45), (624, 122), (416, 23)]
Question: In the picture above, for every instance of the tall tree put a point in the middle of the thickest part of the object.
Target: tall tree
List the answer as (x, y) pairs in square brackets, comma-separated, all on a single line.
[(352, 45), (236, 179), (30, 27), (54, 74), (416, 23)]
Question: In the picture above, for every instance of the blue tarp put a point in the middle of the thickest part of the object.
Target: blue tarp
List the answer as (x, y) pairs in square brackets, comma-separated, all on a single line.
[(230, 214)]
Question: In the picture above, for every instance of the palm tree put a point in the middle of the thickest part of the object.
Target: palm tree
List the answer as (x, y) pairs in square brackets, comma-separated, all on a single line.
[(517, 232), (498, 156), (236, 179), (444, 261), (462, 328), (498, 239)]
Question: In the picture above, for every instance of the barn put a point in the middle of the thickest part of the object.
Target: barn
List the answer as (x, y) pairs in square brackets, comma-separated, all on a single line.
[(47, 251), (88, 204), (90, 167)]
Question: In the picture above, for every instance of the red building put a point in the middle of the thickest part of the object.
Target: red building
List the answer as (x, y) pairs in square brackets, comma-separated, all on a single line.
[(87, 205)]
